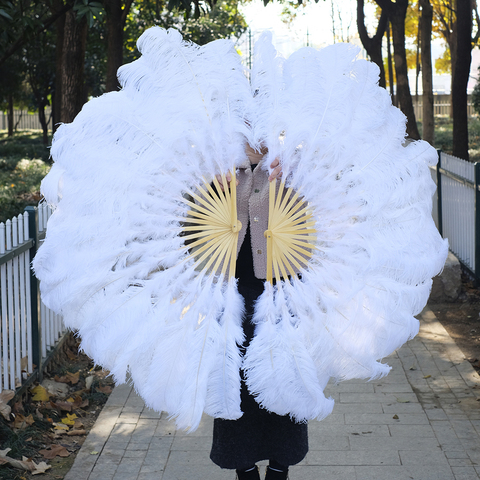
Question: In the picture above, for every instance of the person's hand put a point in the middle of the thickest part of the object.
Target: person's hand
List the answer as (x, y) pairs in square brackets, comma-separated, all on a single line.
[(277, 170), (228, 177)]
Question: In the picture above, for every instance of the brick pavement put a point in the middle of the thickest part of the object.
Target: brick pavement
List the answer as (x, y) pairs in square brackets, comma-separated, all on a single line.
[(421, 422)]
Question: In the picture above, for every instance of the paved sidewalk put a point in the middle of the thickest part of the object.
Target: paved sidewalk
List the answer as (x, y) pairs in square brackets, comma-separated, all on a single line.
[(421, 422)]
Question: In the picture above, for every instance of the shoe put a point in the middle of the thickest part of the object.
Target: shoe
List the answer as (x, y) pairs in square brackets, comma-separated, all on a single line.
[(275, 474), (250, 475)]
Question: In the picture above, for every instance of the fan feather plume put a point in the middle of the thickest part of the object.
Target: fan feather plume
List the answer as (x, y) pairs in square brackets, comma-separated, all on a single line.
[(376, 249), (114, 262)]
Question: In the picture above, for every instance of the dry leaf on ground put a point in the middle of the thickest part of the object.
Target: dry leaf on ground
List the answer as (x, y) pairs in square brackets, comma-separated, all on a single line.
[(5, 409), (24, 364), (77, 432), (40, 394), (69, 419), (107, 389), (22, 422), (69, 377), (71, 355), (42, 467), (60, 426), (66, 406), (24, 464), (54, 451)]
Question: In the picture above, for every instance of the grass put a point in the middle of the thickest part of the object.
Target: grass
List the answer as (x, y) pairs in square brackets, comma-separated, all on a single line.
[(444, 135), (23, 163)]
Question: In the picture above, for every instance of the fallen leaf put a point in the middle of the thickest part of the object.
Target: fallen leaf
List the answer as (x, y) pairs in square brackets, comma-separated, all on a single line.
[(402, 400), (69, 419), (22, 422), (70, 399), (60, 426), (94, 453), (79, 403), (427, 376), (70, 354), (77, 432), (107, 389), (40, 394), (55, 451), (395, 417), (78, 424), (24, 363), (89, 381), (5, 409), (66, 406), (68, 378), (74, 377), (42, 467), (24, 464)]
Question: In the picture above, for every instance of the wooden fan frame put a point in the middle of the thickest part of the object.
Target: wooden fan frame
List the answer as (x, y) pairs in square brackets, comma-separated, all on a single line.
[(214, 220), (213, 228), (290, 233)]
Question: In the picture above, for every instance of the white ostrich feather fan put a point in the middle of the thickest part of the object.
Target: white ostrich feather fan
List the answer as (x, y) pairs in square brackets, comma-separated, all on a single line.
[(134, 182), (371, 242), (114, 263)]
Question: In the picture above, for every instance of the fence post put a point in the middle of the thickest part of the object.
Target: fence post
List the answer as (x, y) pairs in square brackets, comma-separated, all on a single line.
[(477, 218), (34, 294), (439, 193)]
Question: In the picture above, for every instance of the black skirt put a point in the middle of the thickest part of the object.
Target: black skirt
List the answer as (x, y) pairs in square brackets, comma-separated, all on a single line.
[(258, 434)]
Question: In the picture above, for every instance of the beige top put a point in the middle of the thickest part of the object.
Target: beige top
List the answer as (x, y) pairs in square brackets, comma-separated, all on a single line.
[(252, 206)]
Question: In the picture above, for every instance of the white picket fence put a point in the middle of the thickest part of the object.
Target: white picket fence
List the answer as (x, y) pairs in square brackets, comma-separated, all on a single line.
[(28, 329), (456, 208)]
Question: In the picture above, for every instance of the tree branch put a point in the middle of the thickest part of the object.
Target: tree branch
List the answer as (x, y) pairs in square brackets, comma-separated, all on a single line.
[(125, 10), (23, 37)]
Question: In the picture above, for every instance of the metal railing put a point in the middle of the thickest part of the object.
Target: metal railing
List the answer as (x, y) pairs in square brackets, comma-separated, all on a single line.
[(456, 207), (25, 120), (28, 329)]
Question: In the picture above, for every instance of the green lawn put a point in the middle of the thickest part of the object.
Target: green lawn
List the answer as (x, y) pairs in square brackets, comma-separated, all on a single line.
[(23, 164), (444, 136), (24, 161)]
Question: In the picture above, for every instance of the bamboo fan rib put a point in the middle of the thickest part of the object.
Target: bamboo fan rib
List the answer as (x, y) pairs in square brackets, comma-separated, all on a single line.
[(290, 233), (212, 231)]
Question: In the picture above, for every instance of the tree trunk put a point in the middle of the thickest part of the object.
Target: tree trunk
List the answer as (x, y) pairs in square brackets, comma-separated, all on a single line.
[(113, 9), (57, 92), (75, 36), (43, 122), (116, 17), (460, 79), (396, 13), (10, 115), (373, 45), (390, 65), (427, 78)]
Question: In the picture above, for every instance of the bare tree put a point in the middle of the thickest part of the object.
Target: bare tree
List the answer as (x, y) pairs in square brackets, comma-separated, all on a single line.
[(117, 11), (460, 74), (373, 45), (427, 79), (397, 12), (73, 59)]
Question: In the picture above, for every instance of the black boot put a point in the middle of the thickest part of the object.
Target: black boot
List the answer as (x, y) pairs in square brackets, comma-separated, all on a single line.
[(249, 474), (276, 474)]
